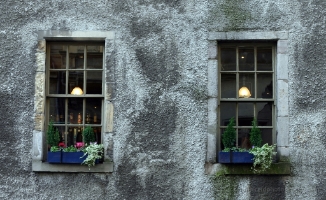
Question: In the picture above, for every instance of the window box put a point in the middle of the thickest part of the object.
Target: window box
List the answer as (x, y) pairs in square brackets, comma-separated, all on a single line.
[(235, 157), (54, 157), (73, 157)]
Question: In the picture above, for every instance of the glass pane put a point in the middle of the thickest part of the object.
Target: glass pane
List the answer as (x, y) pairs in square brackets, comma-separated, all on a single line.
[(76, 57), (246, 85), (94, 82), (245, 114), (94, 57), (74, 135), (93, 111), (228, 86), (246, 59), (264, 59), (265, 85), (267, 135), (61, 130), (57, 82), (228, 59), (76, 79), (75, 110), (58, 56), (227, 111), (222, 132), (97, 132), (264, 113), (57, 110), (243, 138)]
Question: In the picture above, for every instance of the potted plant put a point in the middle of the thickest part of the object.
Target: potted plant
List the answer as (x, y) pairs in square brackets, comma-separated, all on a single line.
[(232, 154), (93, 153), (263, 157), (53, 138), (54, 155), (228, 140), (72, 155), (88, 135), (255, 135)]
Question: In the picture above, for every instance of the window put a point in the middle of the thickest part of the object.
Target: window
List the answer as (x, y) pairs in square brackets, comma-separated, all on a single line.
[(246, 89), (75, 89)]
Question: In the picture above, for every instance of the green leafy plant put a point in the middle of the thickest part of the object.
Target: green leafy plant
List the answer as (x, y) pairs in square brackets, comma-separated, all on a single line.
[(263, 157), (53, 137), (255, 135), (88, 135), (229, 135), (55, 149), (234, 149), (93, 152), (70, 149)]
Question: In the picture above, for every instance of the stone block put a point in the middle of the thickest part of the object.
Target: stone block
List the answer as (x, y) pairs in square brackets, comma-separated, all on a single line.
[(38, 122), (212, 50), (110, 91), (282, 66), (37, 145), (282, 131), (109, 117), (282, 46), (212, 78), (282, 98)]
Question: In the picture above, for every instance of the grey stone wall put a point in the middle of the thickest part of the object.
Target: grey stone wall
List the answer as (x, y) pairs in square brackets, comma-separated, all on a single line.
[(159, 135)]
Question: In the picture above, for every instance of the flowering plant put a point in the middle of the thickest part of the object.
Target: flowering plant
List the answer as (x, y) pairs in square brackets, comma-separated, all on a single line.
[(93, 151)]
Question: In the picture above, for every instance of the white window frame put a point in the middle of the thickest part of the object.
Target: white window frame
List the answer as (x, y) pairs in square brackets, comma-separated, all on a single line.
[(281, 87)]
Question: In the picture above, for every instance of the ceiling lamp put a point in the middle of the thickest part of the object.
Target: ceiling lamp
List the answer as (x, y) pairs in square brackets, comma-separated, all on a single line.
[(244, 92), (77, 91)]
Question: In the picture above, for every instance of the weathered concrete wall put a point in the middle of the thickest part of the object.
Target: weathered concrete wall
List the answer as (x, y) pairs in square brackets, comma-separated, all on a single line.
[(160, 117)]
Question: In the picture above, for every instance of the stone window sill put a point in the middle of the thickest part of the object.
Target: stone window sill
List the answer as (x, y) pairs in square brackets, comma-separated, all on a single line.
[(39, 166), (280, 168)]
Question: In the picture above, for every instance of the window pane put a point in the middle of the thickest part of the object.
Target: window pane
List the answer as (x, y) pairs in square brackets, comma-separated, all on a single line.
[(76, 57), (93, 111), (267, 135), (94, 57), (243, 138), (75, 110), (245, 114), (74, 135), (57, 110), (76, 79), (61, 130), (264, 114), (228, 86), (227, 111), (57, 82), (246, 59), (97, 133), (265, 85), (228, 59), (58, 56), (94, 82), (264, 59), (248, 81)]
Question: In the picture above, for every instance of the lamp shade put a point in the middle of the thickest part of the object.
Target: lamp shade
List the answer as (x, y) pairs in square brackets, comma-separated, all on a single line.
[(77, 91), (244, 92)]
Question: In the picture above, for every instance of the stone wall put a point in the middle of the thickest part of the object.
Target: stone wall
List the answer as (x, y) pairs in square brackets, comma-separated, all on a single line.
[(158, 140)]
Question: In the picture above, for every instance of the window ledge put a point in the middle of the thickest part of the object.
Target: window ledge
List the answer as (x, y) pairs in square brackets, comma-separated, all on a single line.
[(280, 168), (39, 166)]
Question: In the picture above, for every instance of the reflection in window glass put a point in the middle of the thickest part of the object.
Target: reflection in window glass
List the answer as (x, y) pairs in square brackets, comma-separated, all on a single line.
[(57, 110), (246, 114), (228, 59), (227, 111), (264, 113), (94, 82), (264, 59), (265, 86), (228, 86), (57, 82), (246, 59)]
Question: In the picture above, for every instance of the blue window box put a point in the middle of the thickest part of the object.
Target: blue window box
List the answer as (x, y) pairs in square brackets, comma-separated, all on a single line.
[(73, 157), (54, 157), (235, 157)]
